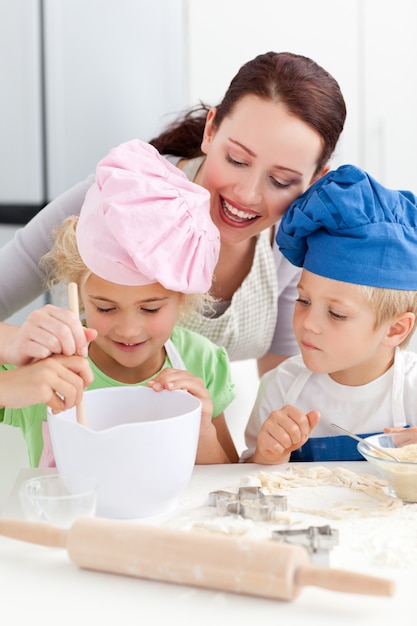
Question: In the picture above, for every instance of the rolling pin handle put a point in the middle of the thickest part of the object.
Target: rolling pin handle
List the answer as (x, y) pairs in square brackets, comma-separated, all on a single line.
[(343, 580)]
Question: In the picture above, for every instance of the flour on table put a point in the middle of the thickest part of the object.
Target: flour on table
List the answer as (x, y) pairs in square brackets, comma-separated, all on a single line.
[(310, 497), (378, 528)]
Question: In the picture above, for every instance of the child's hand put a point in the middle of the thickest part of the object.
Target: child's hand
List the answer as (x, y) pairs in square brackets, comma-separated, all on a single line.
[(49, 330), (284, 431), (57, 381), (403, 436), (214, 443), (172, 379)]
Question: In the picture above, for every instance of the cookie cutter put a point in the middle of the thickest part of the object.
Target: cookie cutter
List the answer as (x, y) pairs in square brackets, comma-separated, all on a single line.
[(318, 540), (249, 502)]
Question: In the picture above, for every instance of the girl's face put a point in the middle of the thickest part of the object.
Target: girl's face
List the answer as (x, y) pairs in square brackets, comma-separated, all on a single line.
[(335, 329), (133, 324), (259, 160)]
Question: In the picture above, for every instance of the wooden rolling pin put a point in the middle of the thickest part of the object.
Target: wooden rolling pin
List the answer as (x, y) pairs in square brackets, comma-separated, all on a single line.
[(242, 565)]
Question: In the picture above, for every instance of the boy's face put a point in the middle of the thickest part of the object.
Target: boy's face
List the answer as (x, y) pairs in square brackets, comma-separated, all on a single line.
[(133, 324), (335, 329)]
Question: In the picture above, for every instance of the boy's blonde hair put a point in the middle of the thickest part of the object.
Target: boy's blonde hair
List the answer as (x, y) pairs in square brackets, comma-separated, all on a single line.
[(63, 264), (389, 303)]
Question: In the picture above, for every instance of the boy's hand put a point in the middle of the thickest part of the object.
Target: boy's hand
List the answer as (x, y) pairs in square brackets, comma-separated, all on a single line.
[(285, 430), (403, 436)]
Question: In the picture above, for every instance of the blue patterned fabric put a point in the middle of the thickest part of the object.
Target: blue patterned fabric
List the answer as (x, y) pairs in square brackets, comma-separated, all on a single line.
[(337, 448)]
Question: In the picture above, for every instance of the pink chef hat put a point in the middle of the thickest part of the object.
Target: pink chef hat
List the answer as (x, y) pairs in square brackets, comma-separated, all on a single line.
[(144, 222)]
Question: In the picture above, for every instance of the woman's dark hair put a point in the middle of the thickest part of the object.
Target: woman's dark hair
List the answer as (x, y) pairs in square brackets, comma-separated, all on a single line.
[(306, 89)]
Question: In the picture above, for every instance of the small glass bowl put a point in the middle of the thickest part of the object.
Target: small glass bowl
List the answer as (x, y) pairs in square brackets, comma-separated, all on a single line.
[(401, 476), (53, 500)]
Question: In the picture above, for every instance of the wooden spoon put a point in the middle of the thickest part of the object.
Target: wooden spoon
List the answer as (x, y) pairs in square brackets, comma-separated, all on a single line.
[(74, 307)]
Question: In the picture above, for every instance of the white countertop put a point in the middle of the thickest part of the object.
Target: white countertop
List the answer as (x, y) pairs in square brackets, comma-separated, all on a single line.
[(43, 586)]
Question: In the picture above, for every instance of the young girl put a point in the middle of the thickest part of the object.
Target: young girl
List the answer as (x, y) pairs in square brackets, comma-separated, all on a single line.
[(355, 313), (142, 253), (266, 142)]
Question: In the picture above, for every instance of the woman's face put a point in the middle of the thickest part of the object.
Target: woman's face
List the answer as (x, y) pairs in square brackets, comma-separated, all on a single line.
[(259, 160)]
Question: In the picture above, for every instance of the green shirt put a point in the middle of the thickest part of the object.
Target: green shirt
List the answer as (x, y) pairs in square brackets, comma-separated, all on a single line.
[(201, 357)]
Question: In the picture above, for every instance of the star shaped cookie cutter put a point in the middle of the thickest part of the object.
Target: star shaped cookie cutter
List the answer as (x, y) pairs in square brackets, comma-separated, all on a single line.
[(249, 502), (318, 540)]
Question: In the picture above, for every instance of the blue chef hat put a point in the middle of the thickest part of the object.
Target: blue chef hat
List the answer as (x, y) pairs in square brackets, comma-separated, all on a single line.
[(348, 227)]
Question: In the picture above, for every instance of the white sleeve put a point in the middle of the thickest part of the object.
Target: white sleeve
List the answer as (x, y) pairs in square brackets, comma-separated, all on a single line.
[(283, 342), (21, 280), (269, 398)]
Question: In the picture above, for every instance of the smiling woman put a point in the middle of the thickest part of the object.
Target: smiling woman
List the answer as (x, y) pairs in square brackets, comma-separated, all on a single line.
[(270, 137), (257, 151)]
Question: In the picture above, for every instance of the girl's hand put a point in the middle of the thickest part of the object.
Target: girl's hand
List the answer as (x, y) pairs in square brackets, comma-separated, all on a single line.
[(215, 444), (171, 379), (284, 431), (57, 381), (49, 330)]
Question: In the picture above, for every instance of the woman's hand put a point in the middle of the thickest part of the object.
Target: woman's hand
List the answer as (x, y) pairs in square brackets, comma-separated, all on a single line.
[(285, 430), (49, 330)]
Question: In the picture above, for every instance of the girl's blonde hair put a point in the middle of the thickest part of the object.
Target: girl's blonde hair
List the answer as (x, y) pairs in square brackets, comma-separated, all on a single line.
[(389, 303), (63, 264)]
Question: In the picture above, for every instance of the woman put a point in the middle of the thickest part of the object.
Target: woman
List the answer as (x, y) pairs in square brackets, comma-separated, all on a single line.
[(268, 140)]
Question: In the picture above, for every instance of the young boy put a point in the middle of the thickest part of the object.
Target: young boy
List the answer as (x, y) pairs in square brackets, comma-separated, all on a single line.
[(355, 312)]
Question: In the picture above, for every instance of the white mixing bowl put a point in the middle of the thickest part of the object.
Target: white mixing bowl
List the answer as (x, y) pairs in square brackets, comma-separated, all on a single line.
[(139, 445)]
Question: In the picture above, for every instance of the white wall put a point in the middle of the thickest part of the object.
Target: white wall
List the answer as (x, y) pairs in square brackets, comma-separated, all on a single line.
[(234, 31), (370, 47)]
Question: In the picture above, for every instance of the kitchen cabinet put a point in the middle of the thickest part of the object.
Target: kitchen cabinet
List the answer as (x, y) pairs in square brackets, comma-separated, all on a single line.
[(21, 182), (115, 71), (78, 77)]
